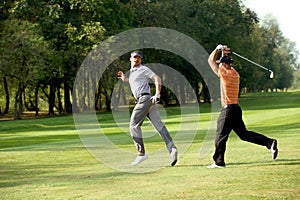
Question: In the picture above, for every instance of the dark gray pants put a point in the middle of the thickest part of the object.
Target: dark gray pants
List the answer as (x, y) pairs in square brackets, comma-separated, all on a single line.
[(144, 108), (231, 119)]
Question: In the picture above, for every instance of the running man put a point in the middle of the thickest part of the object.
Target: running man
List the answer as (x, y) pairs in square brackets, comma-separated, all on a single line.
[(139, 79)]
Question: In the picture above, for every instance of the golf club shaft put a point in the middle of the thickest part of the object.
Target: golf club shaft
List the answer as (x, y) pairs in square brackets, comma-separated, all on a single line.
[(251, 61)]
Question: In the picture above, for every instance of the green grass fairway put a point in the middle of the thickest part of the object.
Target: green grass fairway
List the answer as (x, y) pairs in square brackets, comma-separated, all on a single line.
[(45, 159)]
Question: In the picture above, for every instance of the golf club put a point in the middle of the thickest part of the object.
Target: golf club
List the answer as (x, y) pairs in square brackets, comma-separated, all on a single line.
[(271, 72)]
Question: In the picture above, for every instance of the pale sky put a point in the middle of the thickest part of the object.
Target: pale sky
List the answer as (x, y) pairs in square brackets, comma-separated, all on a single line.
[(285, 11)]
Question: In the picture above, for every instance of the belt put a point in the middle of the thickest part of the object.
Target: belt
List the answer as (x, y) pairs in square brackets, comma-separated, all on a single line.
[(231, 106), (143, 94)]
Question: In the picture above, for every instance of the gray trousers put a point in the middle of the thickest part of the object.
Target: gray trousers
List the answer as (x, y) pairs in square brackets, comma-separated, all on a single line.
[(144, 108)]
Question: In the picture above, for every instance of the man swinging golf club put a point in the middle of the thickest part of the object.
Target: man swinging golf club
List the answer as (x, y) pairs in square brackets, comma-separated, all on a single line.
[(139, 78), (230, 117)]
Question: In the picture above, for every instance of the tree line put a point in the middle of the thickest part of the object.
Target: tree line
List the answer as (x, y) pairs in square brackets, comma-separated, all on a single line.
[(43, 44)]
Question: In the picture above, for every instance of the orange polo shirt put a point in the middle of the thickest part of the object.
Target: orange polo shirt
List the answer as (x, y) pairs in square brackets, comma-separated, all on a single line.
[(230, 82)]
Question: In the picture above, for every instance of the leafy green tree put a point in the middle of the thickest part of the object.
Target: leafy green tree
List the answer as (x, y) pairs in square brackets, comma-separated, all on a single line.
[(296, 79), (74, 27), (23, 50), (208, 22), (279, 55)]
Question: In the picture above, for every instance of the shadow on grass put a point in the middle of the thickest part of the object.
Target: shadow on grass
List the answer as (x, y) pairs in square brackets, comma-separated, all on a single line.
[(27, 140), (276, 162), (37, 125), (267, 163), (41, 174)]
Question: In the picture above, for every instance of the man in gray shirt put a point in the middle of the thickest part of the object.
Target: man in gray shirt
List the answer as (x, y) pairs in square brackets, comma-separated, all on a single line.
[(139, 79)]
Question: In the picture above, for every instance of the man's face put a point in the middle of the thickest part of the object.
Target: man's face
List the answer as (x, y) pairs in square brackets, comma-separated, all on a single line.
[(135, 61)]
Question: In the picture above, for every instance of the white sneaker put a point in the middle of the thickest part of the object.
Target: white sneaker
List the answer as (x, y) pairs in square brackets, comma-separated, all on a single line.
[(214, 165), (139, 159), (173, 156)]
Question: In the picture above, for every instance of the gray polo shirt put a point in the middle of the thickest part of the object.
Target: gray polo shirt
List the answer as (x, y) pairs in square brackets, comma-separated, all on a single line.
[(139, 79)]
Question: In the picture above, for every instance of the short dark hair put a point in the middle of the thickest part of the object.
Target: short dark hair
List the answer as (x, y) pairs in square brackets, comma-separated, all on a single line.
[(226, 59)]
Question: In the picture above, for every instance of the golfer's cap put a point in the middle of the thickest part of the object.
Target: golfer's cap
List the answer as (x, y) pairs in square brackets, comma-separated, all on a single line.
[(136, 53), (226, 59)]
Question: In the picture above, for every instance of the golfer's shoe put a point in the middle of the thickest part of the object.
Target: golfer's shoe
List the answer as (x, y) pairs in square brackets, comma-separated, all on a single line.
[(214, 165), (139, 159), (173, 156), (274, 149)]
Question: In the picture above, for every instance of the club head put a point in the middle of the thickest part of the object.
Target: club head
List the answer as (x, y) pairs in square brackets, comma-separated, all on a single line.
[(271, 74)]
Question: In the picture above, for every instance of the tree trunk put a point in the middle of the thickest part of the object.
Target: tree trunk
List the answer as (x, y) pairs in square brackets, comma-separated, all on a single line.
[(108, 103), (100, 91), (18, 108), (6, 109), (98, 97), (164, 96), (51, 99), (197, 89), (36, 94), (205, 92), (75, 108), (60, 107), (182, 94), (68, 105)]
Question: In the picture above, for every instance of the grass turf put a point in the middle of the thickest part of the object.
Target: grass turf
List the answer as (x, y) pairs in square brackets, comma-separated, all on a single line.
[(45, 159)]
